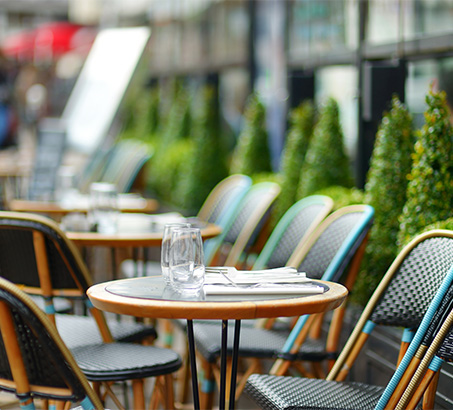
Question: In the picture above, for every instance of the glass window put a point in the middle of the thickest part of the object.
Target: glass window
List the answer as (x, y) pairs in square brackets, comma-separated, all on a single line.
[(421, 76), (317, 27)]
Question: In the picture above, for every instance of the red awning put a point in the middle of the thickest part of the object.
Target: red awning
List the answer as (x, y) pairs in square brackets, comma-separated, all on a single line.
[(49, 41)]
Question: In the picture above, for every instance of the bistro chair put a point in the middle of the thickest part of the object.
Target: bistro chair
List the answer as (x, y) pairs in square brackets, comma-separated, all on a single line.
[(119, 164), (220, 204), (295, 226), (240, 234), (337, 242), (34, 361), (36, 254), (407, 297)]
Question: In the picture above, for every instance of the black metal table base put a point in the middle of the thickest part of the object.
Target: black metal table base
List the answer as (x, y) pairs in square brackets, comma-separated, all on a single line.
[(223, 364)]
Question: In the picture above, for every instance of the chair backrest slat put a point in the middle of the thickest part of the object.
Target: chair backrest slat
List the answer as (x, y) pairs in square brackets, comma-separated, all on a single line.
[(294, 227), (34, 362)]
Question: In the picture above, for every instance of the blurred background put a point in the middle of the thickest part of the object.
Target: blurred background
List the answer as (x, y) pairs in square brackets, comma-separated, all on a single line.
[(359, 52)]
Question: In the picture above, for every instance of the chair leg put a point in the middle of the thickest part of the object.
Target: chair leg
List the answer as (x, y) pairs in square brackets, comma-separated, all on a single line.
[(208, 385), (430, 394), (169, 400), (184, 378), (138, 393)]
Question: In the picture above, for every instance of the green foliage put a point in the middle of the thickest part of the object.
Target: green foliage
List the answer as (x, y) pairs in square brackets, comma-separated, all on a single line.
[(267, 177), (385, 191), (326, 162), (342, 196), (430, 189), (206, 166), (141, 115), (302, 121), (445, 224), (165, 170), (252, 155), (179, 119)]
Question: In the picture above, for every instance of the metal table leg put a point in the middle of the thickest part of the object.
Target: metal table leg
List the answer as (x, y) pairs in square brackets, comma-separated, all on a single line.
[(223, 364), (193, 364), (234, 365)]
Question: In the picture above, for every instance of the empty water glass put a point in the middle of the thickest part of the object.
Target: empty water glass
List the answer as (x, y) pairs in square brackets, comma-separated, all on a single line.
[(104, 208), (187, 270), (165, 248)]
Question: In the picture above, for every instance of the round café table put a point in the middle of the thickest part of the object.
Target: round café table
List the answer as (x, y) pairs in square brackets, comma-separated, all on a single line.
[(149, 297)]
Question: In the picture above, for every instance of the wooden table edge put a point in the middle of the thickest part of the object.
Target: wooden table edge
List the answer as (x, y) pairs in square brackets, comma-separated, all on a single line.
[(131, 239), (294, 306)]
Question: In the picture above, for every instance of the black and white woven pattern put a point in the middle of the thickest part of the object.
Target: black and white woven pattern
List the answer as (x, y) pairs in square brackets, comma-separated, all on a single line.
[(322, 252), (123, 331), (406, 299), (293, 234), (120, 361), (254, 342), (251, 201), (223, 201), (291, 393)]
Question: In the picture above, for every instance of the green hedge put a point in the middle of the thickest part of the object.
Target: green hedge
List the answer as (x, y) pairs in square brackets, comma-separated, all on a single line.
[(430, 189), (385, 191), (206, 165), (326, 162), (251, 155), (301, 124)]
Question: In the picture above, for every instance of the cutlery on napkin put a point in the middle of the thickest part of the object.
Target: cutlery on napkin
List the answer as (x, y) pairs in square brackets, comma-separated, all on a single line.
[(263, 289), (229, 275)]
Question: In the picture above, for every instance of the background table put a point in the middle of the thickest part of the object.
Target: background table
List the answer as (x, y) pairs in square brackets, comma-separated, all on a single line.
[(149, 297), (56, 211)]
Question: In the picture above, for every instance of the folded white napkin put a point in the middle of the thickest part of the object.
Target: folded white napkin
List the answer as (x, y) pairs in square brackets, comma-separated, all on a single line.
[(265, 289), (253, 277)]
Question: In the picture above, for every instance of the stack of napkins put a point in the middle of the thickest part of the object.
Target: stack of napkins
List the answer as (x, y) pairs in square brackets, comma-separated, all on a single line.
[(271, 282)]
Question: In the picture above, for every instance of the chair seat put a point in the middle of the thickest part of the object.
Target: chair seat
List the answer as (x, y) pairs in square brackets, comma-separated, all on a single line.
[(282, 392), (61, 305), (254, 342), (82, 330), (125, 361)]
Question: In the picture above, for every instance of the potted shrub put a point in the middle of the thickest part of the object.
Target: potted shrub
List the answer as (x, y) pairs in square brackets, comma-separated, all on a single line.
[(173, 147), (385, 191), (430, 188), (206, 165), (252, 155), (326, 162), (301, 123)]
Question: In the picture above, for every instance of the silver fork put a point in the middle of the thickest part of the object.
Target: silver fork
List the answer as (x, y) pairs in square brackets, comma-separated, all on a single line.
[(233, 270)]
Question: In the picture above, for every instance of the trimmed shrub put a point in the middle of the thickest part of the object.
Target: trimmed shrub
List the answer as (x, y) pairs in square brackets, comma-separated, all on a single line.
[(342, 196), (164, 173), (302, 120), (326, 162), (252, 155), (385, 191), (430, 188), (206, 165)]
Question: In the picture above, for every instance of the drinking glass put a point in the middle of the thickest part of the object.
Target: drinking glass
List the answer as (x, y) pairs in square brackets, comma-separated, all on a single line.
[(165, 248), (104, 209), (187, 269)]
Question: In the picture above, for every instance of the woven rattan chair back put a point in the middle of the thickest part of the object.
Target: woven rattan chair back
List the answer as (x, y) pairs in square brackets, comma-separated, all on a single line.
[(416, 292), (224, 198), (337, 243), (293, 228), (407, 289), (241, 232), (36, 254), (34, 362)]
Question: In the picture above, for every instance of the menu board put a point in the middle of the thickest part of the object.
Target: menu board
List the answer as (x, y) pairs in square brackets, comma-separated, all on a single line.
[(101, 85)]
